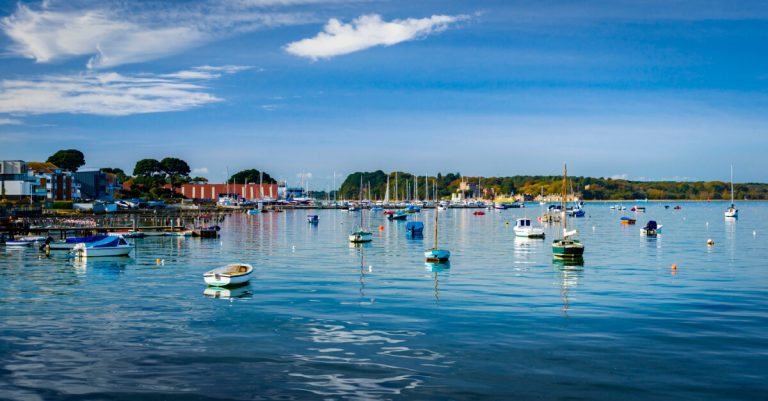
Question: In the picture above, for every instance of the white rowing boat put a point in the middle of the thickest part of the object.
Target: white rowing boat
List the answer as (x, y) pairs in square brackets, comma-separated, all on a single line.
[(232, 274)]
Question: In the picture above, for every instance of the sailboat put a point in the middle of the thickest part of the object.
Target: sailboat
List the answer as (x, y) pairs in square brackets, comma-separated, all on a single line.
[(732, 212), (542, 202), (436, 254), (567, 247), (361, 235)]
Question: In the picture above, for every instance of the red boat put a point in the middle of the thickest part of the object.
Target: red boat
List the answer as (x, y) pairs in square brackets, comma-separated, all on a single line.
[(386, 212), (479, 213)]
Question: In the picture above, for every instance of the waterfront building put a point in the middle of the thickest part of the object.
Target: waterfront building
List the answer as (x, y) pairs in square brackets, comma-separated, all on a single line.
[(17, 182), (249, 192), (59, 184)]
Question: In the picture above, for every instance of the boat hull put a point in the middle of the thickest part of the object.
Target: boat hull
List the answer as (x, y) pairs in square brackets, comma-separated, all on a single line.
[(529, 232), (18, 244), (221, 277), (437, 255), (565, 249), (122, 250), (360, 237)]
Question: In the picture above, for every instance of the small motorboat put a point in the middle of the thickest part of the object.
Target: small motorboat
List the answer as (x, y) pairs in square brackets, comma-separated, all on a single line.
[(414, 228), (677, 207), (183, 233), (313, 219), (399, 215), (637, 209), (478, 213), (651, 229), (232, 274), (110, 246), (524, 228), (666, 206), (628, 220), (388, 212), (377, 209), (253, 211), (18, 243), (412, 209), (442, 207)]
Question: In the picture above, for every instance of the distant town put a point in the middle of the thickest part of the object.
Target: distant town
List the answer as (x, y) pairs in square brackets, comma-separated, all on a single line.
[(59, 184)]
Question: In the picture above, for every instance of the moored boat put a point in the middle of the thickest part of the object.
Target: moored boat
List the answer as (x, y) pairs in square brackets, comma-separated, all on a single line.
[(313, 219), (567, 247), (414, 228), (399, 215), (110, 246), (524, 228), (478, 213), (651, 229), (18, 243), (627, 220), (231, 274), (732, 212)]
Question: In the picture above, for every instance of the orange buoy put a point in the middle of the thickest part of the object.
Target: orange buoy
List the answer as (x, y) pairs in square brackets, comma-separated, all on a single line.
[(674, 266), (381, 227)]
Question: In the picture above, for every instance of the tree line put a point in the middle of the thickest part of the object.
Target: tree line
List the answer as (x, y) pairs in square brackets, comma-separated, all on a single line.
[(587, 188)]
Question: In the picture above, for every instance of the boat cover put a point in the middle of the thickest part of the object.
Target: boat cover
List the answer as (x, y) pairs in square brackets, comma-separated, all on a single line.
[(107, 242), (651, 225), (414, 226), (627, 218), (77, 240)]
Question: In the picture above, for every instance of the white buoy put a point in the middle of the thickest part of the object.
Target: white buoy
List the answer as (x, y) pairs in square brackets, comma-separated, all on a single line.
[(370, 269), (754, 232), (593, 228)]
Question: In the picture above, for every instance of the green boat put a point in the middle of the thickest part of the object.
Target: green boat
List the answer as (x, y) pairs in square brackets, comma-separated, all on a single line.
[(566, 247)]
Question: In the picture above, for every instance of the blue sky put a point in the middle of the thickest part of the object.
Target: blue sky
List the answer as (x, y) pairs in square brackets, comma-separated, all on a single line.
[(632, 89)]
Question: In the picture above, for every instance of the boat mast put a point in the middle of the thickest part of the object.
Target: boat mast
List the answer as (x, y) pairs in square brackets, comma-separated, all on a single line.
[(362, 209), (731, 185), (565, 199), (436, 211), (396, 193)]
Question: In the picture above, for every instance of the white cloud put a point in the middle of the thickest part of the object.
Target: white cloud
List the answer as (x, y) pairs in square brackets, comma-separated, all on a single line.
[(367, 31), (115, 33), (200, 170), (106, 93), (9, 121), (623, 176)]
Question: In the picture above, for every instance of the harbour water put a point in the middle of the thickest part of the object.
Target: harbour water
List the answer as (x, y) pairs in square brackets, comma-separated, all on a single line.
[(325, 320)]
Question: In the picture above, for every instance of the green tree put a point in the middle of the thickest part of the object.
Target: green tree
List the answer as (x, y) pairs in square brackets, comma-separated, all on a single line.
[(68, 159), (147, 168), (176, 171), (250, 176)]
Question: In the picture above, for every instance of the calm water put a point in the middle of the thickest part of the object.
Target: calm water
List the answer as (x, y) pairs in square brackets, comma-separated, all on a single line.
[(323, 320)]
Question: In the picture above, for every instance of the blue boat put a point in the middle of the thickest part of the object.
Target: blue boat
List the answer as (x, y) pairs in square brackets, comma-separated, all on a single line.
[(414, 228), (252, 212), (312, 219), (70, 243)]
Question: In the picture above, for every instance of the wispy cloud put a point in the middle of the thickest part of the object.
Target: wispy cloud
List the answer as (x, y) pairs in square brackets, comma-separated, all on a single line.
[(9, 121), (113, 33), (110, 93), (367, 31), (200, 170)]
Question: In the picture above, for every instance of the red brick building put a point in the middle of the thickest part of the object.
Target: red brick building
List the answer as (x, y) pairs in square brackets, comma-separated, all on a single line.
[(211, 191)]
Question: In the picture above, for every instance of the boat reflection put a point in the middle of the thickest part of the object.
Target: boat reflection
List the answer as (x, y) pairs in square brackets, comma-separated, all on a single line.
[(111, 265), (527, 247), (569, 272), (436, 268), (243, 291)]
